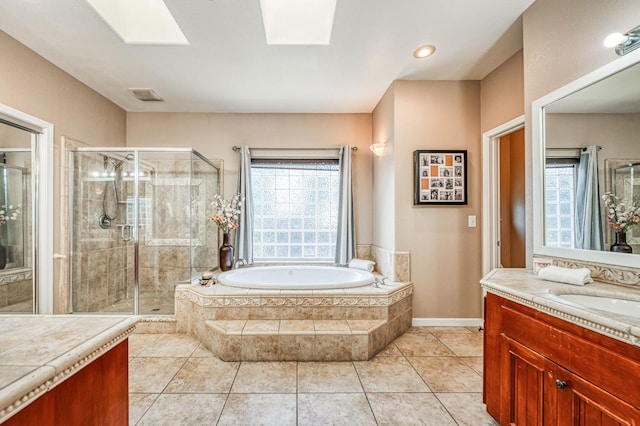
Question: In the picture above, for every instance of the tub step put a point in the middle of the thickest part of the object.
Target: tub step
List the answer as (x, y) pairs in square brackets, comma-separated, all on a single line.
[(296, 340)]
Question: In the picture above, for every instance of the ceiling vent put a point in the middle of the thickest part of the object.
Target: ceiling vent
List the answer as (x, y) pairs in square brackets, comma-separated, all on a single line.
[(146, 95)]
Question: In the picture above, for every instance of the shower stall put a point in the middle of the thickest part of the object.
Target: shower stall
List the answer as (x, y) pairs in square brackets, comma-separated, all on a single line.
[(625, 184), (138, 227)]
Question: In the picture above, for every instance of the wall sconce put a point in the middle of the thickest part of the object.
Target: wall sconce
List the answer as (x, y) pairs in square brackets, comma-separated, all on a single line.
[(378, 148), (624, 43)]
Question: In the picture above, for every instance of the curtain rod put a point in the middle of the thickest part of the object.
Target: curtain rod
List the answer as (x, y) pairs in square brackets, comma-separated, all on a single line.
[(237, 148), (574, 147)]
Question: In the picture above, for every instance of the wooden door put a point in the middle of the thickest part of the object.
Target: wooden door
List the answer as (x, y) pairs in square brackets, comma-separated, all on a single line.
[(512, 200), (581, 403), (528, 397)]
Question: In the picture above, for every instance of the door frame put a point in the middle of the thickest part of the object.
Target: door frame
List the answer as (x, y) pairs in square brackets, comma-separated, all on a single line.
[(42, 205), (491, 191)]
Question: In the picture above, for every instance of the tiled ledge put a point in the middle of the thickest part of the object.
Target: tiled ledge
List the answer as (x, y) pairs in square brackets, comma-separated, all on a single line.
[(602, 272), (300, 340)]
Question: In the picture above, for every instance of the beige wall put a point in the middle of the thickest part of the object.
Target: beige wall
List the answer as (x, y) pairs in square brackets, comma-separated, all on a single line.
[(445, 253), (502, 93), (31, 84), (214, 135), (562, 40), (383, 194)]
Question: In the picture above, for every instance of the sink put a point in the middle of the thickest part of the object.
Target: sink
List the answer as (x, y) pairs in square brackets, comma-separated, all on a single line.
[(610, 304)]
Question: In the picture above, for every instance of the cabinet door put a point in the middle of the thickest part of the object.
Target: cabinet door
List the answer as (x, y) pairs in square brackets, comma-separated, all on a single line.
[(527, 390), (582, 403)]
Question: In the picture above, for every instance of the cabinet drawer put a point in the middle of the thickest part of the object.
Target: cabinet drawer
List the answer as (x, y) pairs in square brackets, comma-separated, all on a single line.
[(612, 370)]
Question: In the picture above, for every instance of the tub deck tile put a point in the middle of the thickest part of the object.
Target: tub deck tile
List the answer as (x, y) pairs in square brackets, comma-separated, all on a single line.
[(254, 327), (331, 326), (296, 327)]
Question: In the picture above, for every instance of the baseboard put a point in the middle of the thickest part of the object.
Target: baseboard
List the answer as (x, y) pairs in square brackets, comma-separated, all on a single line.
[(446, 322)]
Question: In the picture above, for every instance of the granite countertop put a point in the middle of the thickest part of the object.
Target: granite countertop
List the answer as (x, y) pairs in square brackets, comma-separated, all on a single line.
[(524, 287), (37, 352)]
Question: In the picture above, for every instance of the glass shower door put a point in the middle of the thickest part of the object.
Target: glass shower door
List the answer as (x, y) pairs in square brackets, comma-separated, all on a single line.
[(102, 251), (165, 216)]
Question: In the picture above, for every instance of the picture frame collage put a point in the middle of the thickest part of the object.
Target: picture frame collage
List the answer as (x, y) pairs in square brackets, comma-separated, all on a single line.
[(440, 177)]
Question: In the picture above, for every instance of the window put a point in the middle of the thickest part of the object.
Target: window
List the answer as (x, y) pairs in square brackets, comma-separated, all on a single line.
[(559, 193), (295, 209)]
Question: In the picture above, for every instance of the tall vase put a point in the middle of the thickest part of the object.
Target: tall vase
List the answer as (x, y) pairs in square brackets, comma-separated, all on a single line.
[(621, 246), (226, 253), (3, 256)]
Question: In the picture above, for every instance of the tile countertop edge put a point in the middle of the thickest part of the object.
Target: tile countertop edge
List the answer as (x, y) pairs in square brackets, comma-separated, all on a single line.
[(23, 391), (537, 294)]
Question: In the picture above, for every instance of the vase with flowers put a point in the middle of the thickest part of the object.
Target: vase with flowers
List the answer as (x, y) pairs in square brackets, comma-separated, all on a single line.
[(226, 217), (7, 213), (621, 217)]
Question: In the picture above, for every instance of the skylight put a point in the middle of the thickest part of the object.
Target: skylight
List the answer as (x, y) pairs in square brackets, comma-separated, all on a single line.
[(140, 21), (298, 22)]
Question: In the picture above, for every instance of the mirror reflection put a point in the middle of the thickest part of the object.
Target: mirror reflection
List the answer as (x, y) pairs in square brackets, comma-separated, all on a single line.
[(16, 224), (592, 166)]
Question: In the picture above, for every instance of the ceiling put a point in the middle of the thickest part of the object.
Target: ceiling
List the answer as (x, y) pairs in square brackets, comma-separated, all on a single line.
[(228, 67)]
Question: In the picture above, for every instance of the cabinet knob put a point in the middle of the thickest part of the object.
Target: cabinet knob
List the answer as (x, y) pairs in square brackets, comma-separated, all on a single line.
[(561, 384)]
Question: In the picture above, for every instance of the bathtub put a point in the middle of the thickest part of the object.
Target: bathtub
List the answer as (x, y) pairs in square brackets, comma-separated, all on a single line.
[(296, 277)]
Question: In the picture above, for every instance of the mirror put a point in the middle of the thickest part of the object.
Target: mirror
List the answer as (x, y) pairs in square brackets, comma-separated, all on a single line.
[(16, 224), (600, 110)]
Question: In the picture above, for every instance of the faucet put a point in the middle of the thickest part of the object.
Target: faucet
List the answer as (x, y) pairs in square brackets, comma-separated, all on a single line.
[(238, 263)]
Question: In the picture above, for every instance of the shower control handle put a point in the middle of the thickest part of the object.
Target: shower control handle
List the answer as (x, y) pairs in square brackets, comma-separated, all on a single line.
[(125, 232)]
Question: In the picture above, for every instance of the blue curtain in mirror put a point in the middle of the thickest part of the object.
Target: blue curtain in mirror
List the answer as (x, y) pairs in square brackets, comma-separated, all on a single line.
[(588, 224)]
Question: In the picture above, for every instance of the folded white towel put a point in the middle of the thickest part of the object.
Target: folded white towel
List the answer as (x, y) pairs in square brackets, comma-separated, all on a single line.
[(579, 276), (363, 264)]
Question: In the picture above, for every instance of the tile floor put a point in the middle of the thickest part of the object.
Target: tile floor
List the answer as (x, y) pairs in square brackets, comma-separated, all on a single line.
[(428, 376)]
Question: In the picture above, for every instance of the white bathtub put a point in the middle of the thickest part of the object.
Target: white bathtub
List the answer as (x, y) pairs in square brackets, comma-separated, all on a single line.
[(295, 277)]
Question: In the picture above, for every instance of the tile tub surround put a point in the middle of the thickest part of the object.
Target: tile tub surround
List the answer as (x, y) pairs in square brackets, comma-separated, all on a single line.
[(392, 264), (524, 287), (405, 384), (325, 325), (39, 352)]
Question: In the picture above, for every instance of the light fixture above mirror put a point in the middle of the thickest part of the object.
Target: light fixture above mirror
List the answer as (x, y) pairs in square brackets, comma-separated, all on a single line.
[(624, 43)]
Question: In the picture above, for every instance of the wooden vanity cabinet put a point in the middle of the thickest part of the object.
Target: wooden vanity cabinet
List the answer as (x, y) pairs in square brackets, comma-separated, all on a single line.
[(540, 370)]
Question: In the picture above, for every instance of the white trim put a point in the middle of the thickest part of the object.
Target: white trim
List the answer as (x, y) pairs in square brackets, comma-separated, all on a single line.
[(446, 322), (490, 191), (44, 225), (537, 117)]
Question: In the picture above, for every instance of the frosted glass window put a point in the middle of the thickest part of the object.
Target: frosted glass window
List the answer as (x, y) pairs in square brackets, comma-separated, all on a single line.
[(295, 209), (559, 194)]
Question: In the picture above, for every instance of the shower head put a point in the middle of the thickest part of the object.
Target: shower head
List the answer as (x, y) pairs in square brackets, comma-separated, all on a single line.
[(117, 163)]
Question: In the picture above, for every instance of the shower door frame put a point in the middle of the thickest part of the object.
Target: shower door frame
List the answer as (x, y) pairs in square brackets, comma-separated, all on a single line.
[(136, 213)]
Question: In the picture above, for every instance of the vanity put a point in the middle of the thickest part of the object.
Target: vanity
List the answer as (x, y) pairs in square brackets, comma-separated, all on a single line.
[(552, 361), (64, 369)]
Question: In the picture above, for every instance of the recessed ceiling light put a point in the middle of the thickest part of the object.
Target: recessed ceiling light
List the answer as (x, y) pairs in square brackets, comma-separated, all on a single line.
[(424, 51), (140, 21), (295, 22)]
